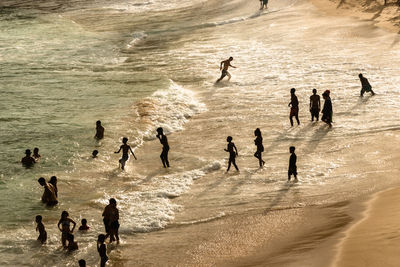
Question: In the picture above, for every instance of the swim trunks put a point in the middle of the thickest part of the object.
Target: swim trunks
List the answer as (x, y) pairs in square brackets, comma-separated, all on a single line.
[(294, 111), (223, 74), (314, 112)]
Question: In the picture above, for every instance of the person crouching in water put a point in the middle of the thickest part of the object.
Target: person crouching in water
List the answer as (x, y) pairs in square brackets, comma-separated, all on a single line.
[(327, 110), (260, 148), (233, 153), (164, 141), (125, 152)]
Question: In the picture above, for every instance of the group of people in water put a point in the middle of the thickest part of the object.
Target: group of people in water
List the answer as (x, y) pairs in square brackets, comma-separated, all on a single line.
[(111, 224), (315, 102), (111, 212)]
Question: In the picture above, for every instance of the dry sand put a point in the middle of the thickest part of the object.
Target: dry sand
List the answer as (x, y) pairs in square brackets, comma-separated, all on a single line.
[(383, 15)]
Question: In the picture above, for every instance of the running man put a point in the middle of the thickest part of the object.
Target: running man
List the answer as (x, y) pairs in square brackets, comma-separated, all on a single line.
[(315, 105), (226, 64), (125, 152), (365, 86)]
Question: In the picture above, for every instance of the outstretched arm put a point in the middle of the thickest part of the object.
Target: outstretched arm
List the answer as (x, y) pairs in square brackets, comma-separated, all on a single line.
[(232, 66), (116, 152)]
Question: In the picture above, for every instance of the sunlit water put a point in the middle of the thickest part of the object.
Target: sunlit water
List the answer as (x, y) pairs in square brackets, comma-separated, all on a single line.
[(138, 65)]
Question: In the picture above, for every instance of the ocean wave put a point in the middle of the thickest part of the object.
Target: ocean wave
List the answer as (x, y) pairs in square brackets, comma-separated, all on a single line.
[(151, 209), (170, 108)]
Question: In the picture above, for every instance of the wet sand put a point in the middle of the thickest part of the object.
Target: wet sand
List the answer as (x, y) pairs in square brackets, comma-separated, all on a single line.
[(374, 240)]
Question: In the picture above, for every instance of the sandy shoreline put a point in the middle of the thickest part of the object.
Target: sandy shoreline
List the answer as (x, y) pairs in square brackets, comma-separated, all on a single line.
[(374, 240), (385, 16)]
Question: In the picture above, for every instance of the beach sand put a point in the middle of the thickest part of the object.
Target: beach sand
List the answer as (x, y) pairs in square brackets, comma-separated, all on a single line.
[(374, 240), (385, 16)]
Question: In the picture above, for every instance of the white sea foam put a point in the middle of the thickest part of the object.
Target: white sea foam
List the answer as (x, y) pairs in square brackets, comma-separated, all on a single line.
[(170, 108), (151, 208)]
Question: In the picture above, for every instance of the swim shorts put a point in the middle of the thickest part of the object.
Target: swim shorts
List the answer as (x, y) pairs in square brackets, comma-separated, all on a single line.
[(294, 111), (315, 112)]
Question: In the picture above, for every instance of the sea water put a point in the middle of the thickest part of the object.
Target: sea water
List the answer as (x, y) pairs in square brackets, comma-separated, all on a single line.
[(139, 65)]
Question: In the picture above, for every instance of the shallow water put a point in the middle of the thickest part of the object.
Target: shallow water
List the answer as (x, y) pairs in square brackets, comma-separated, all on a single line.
[(138, 65)]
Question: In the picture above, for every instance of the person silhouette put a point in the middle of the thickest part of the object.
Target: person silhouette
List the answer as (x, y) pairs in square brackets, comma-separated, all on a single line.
[(28, 161), (365, 85), (226, 64), (49, 196), (36, 154), (294, 107), (233, 153), (99, 131), (292, 164), (260, 148), (327, 110), (125, 152), (315, 105), (164, 141), (41, 229)]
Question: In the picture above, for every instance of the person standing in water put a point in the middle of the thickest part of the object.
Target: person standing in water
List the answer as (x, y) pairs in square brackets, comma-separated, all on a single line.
[(65, 230), (292, 164), (327, 110), (294, 107), (99, 131), (164, 141), (315, 105), (28, 161), (233, 153), (365, 85), (125, 152), (49, 196), (40, 227), (226, 64), (260, 148), (111, 217)]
